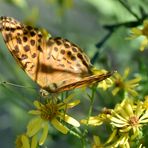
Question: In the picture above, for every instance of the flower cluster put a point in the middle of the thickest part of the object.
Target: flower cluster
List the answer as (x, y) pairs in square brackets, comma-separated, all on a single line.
[(121, 83), (54, 112), (126, 120), (136, 32), (105, 84), (98, 120)]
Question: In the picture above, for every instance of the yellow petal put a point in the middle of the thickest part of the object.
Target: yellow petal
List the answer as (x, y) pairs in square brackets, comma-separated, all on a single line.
[(71, 121), (105, 84), (145, 23), (125, 129), (123, 117), (145, 103), (144, 44), (144, 117), (34, 126), (65, 101), (95, 121), (136, 32), (127, 145), (120, 110), (139, 110), (141, 146), (129, 109), (34, 112), (144, 121), (117, 122), (96, 140), (133, 81), (69, 105), (115, 91), (25, 141), (123, 139), (34, 142), (60, 127), (112, 136), (44, 134), (132, 92), (72, 104), (126, 73), (37, 104)]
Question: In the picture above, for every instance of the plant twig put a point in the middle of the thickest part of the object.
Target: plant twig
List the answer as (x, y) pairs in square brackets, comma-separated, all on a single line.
[(92, 98), (99, 44), (128, 9), (112, 28)]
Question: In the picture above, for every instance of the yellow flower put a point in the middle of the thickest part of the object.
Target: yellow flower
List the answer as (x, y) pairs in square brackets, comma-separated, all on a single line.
[(121, 83), (136, 32), (54, 112), (127, 120), (99, 119), (23, 141), (129, 116), (105, 84)]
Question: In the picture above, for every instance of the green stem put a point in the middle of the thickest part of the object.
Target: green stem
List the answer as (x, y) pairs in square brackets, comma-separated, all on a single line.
[(76, 134), (91, 103), (89, 114), (128, 9)]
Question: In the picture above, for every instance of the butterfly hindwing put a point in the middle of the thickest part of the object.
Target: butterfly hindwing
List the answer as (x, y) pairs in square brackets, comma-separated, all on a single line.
[(86, 81)]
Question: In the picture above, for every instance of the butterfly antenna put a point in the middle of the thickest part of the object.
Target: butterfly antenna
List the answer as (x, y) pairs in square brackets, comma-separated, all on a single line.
[(15, 85)]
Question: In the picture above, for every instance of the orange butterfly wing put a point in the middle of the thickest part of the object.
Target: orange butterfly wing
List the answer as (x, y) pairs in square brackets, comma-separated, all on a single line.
[(54, 63)]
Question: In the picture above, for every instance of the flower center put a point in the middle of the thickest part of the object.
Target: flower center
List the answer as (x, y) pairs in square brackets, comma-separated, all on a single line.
[(133, 120), (118, 83), (145, 31), (49, 111)]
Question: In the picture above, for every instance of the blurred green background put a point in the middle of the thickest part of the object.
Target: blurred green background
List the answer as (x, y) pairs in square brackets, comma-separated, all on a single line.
[(80, 21)]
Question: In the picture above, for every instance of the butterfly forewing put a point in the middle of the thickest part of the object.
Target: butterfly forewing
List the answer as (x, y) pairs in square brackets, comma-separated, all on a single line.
[(68, 56), (21, 42), (54, 63)]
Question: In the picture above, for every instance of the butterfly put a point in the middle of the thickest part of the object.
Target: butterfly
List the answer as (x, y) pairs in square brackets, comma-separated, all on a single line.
[(55, 64)]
